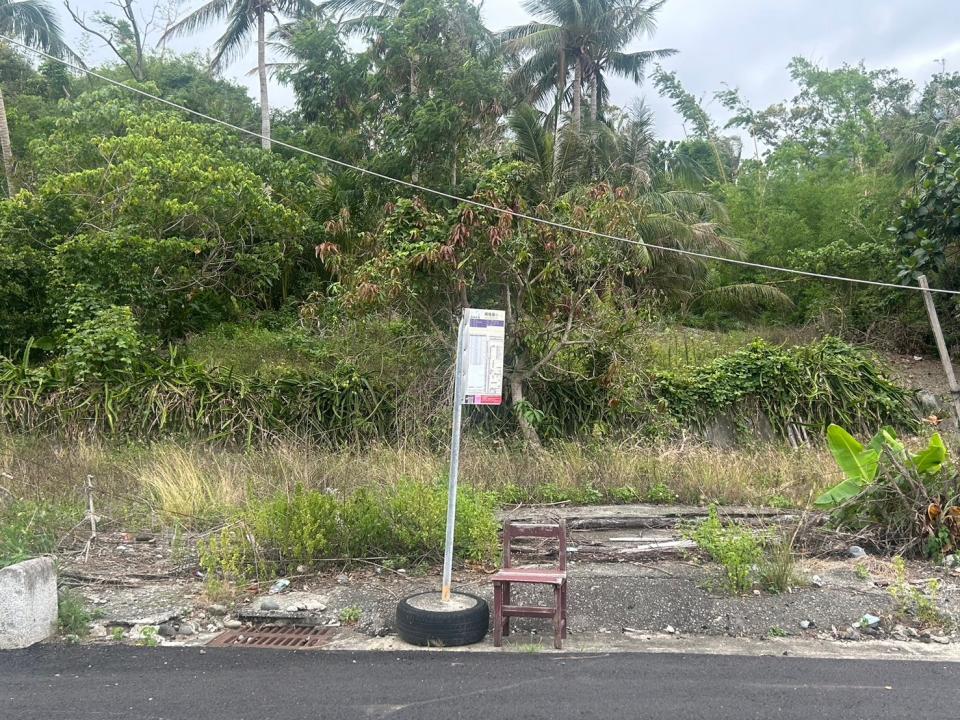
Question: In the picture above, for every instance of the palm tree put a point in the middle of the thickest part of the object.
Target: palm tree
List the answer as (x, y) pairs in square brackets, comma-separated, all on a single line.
[(621, 25), (587, 34), (360, 16), (557, 160), (243, 17), (34, 23)]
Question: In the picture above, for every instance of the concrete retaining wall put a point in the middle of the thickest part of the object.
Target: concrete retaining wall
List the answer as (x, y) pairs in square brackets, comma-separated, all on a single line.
[(28, 603)]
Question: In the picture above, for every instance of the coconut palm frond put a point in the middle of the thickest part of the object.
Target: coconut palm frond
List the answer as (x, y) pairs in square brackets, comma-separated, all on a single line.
[(706, 237), (534, 78), (516, 36), (211, 12), (662, 229), (569, 160), (634, 65), (526, 122), (699, 204), (297, 8), (744, 297), (240, 25), (32, 21), (359, 8)]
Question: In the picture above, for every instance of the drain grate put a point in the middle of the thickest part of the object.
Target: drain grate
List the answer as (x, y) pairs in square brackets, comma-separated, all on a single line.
[(280, 637)]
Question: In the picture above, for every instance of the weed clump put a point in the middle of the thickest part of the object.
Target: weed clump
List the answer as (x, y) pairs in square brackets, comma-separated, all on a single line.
[(747, 557), (29, 529), (73, 618), (307, 527), (912, 602), (736, 548)]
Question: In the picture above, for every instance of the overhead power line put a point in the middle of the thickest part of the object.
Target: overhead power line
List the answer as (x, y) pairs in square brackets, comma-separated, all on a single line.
[(468, 201)]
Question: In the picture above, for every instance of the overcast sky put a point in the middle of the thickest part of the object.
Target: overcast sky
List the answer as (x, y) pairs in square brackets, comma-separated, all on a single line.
[(744, 43)]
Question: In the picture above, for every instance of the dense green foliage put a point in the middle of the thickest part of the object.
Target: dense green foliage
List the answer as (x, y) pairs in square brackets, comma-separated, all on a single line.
[(330, 401), (403, 523), (897, 499), (161, 275), (177, 397), (807, 385)]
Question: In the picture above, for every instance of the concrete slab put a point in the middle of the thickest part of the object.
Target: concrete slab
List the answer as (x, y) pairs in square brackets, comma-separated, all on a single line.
[(639, 516), (28, 603)]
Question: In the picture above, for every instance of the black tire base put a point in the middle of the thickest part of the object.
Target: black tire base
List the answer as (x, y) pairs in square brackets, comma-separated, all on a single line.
[(433, 628)]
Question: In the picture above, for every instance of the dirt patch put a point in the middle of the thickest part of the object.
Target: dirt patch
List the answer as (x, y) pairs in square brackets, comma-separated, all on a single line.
[(919, 372)]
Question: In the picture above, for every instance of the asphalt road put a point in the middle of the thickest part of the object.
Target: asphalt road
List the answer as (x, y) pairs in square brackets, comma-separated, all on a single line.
[(85, 683)]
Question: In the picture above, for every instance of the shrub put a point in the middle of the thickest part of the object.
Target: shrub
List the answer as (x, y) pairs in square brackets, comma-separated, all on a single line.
[(659, 493), (172, 397), (904, 500), (350, 615), (105, 344), (406, 519), (811, 385), (734, 547)]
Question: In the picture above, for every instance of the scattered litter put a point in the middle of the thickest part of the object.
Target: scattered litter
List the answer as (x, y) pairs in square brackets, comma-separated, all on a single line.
[(869, 620), (816, 581), (670, 630), (279, 586), (857, 552), (807, 624)]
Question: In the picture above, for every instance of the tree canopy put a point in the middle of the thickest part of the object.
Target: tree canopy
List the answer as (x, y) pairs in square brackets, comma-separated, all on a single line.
[(140, 232)]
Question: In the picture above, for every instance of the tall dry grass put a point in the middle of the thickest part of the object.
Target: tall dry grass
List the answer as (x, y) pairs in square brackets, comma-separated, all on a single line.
[(196, 483)]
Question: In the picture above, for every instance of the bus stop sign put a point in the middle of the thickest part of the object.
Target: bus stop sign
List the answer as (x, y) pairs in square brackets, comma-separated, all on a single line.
[(483, 357)]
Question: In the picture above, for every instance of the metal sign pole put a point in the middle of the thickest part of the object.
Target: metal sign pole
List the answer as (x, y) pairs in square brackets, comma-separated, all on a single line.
[(454, 461)]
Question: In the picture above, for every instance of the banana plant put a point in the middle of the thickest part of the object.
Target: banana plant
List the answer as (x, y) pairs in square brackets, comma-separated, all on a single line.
[(860, 463)]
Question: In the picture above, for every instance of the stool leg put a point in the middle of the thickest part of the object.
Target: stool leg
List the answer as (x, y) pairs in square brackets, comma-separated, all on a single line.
[(557, 617), (506, 601), (497, 614)]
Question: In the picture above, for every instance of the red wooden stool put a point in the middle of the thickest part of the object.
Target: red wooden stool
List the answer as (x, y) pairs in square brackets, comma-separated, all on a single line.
[(555, 576)]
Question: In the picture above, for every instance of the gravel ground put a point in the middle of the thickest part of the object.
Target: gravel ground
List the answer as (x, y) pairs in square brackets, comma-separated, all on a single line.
[(132, 585)]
